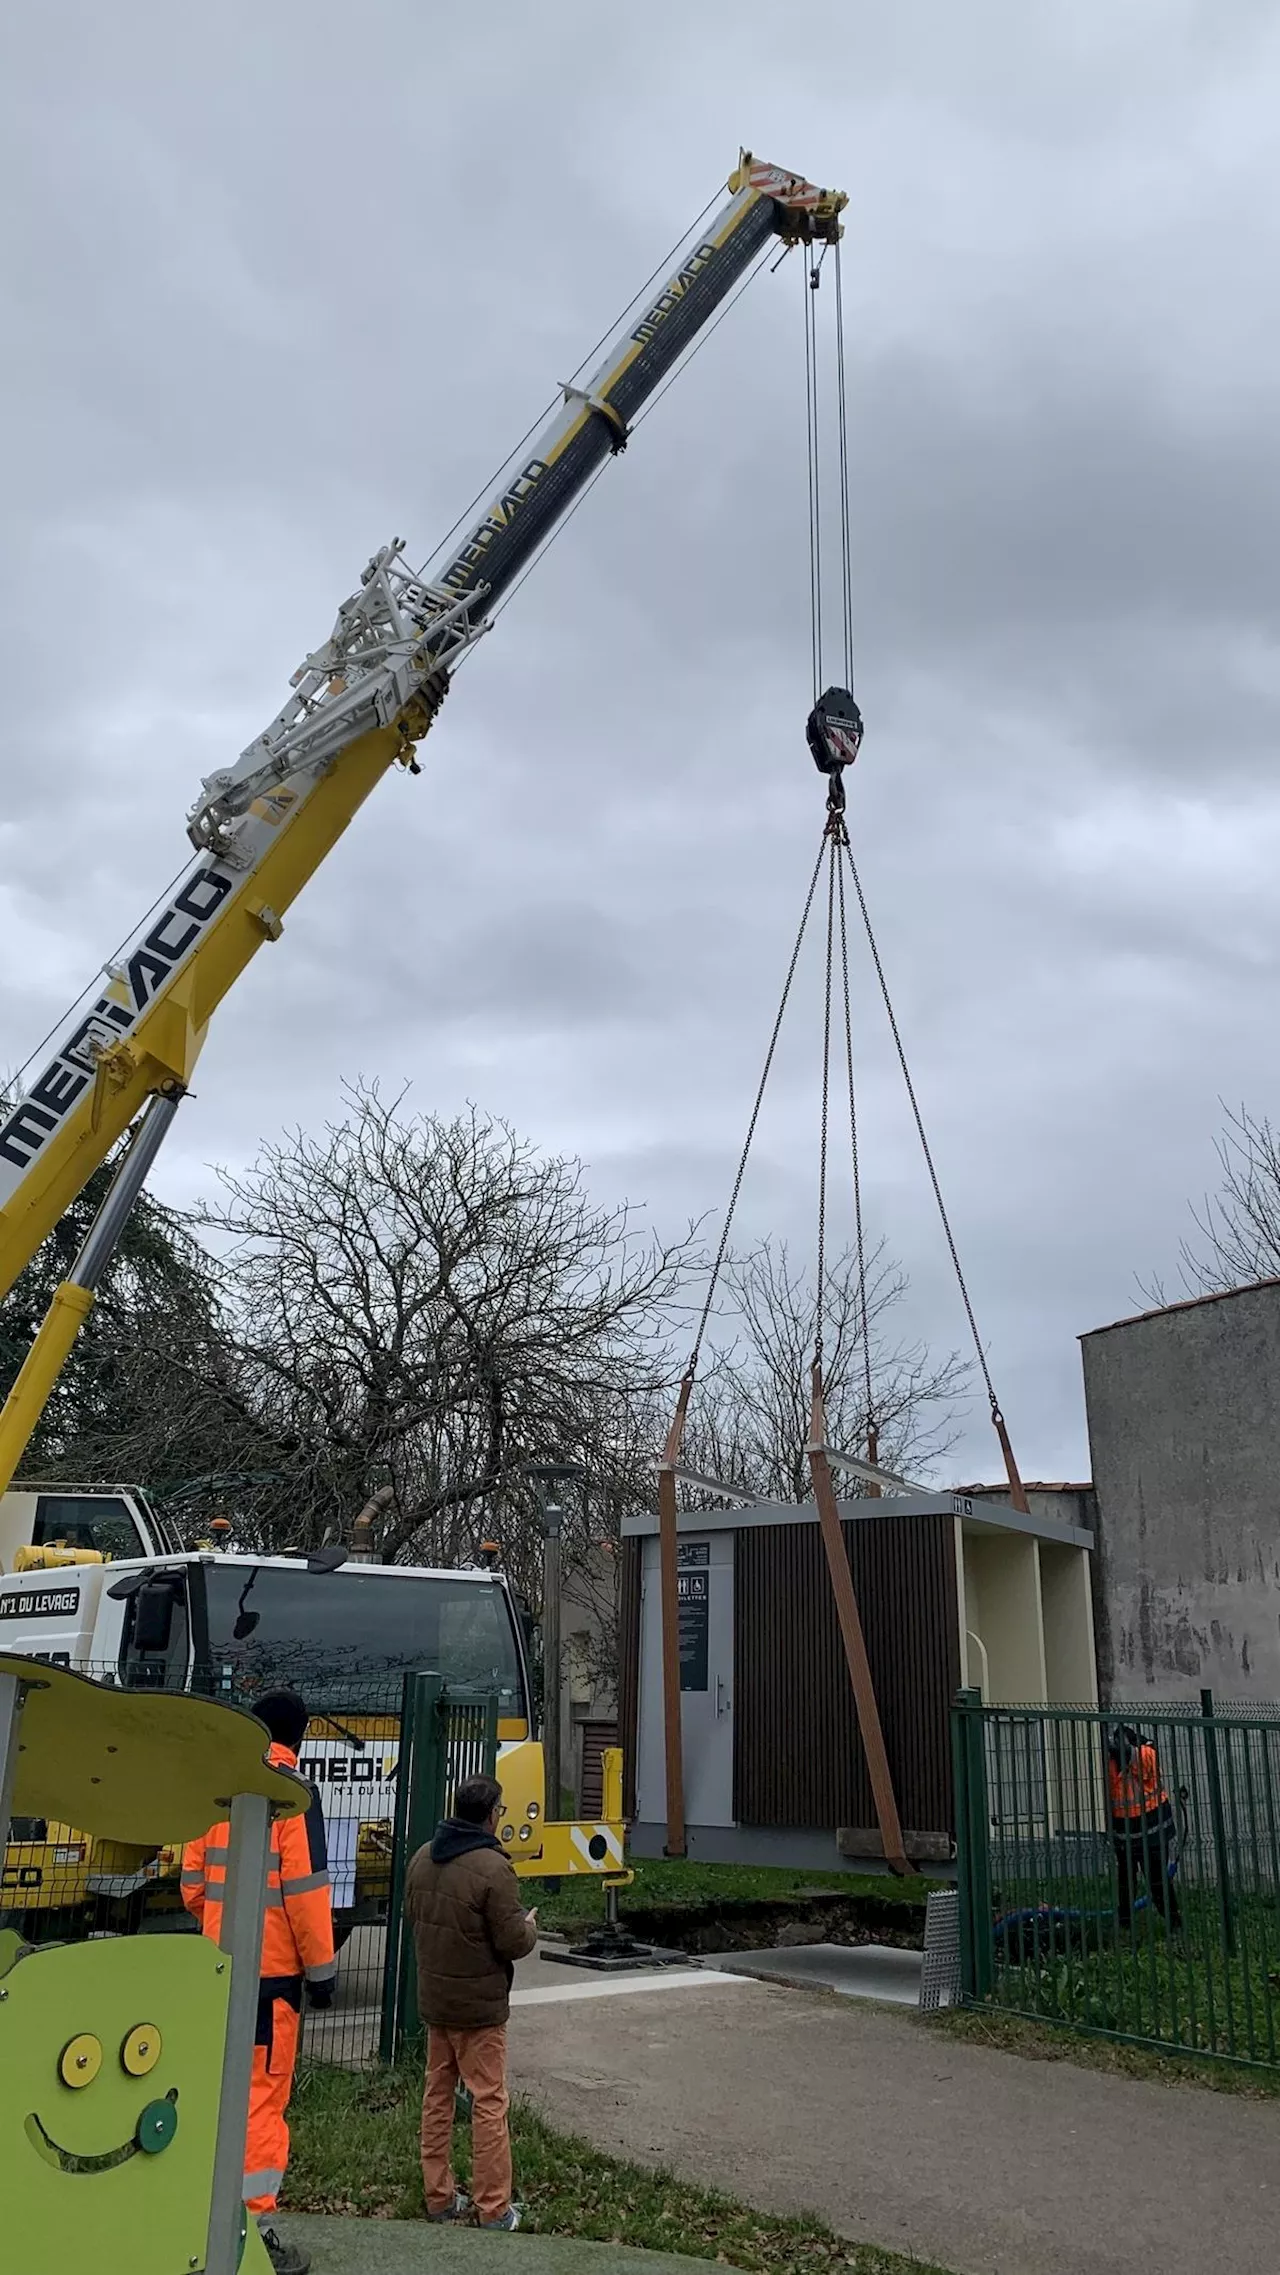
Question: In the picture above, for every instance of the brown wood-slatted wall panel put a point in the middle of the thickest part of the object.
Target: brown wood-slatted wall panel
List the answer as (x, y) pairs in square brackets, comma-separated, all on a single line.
[(798, 1758), (595, 1737), (629, 1670)]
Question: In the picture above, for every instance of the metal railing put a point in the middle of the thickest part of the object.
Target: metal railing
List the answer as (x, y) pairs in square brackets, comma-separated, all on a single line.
[(1146, 1912)]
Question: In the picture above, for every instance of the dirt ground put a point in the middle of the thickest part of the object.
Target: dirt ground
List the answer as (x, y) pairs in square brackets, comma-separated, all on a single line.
[(986, 2162)]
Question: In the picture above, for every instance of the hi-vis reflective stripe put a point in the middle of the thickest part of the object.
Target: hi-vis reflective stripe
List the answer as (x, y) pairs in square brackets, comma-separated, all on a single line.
[(304, 1884), (324, 1973), (261, 2184), (192, 1879), (216, 1891), (581, 1837)]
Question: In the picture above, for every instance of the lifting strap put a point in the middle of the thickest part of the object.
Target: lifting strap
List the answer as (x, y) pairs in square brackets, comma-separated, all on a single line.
[(851, 1635)]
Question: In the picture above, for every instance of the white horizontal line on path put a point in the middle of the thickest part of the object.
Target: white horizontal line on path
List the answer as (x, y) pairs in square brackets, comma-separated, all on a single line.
[(615, 1986)]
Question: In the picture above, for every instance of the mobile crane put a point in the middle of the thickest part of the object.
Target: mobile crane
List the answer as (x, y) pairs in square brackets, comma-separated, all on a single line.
[(359, 704)]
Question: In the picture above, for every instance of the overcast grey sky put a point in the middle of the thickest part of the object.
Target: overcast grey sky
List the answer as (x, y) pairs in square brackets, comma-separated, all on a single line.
[(285, 280)]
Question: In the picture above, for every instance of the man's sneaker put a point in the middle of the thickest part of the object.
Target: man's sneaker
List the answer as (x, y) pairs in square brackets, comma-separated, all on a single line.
[(460, 2209), (286, 2259), (510, 2219)]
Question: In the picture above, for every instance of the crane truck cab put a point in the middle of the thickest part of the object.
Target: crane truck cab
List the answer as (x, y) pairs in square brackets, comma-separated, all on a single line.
[(344, 1634), (109, 1520)]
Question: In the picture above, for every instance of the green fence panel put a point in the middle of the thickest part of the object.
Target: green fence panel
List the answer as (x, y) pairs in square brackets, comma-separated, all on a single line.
[(1146, 1913), (447, 1736)]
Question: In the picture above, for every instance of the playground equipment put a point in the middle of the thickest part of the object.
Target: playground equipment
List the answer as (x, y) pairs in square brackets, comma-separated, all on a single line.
[(125, 2062)]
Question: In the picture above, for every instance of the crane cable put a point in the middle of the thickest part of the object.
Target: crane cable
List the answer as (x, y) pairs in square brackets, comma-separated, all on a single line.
[(837, 835), (638, 421), (836, 851), (743, 1158), (811, 275)]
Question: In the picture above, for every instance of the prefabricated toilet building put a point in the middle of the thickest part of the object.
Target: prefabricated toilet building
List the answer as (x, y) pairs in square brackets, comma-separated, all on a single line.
[(951, 1588)]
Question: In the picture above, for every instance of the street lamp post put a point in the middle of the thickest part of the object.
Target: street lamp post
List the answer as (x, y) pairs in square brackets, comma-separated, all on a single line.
[(548, 1475)]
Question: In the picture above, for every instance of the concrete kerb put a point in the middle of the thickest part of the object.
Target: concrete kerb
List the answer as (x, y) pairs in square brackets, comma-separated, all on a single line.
[(880, 1974), (413, 2247)]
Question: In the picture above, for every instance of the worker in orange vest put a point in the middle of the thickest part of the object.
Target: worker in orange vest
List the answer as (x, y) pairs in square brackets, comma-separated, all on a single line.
[(1143, 1830), (297, 1947)]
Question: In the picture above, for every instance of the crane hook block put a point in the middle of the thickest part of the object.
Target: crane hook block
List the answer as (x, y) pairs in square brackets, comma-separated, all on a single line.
[(834, 731)]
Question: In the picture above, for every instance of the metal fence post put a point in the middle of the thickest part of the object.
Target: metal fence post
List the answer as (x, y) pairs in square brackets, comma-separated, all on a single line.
[(1218, 1820), (973, 1843), (240, 1941), (960, 1808), (419, 1799)]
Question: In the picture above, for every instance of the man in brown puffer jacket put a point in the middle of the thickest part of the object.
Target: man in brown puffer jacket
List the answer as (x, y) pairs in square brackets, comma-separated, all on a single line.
[(469, 1925)]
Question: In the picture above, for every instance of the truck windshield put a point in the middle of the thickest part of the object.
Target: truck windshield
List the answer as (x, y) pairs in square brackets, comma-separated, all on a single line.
[(88, 1520), (347, 1636)]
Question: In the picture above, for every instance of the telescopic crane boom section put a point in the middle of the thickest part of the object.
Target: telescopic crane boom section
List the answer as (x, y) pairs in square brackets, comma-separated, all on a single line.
[(357, 705)]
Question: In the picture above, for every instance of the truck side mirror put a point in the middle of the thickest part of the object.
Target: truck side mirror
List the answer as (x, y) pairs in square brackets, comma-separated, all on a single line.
[(153, 1617)]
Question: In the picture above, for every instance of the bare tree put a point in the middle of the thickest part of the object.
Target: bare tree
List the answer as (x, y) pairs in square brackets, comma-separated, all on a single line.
[(157, 1304), (750, 1422), (427, 1305), (1237, 1229)]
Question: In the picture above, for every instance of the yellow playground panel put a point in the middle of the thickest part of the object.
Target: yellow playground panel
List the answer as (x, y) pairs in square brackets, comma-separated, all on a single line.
[(125, 2063)]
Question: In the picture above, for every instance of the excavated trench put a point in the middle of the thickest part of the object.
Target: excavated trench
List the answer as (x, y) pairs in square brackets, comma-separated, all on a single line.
[(755, 1924)]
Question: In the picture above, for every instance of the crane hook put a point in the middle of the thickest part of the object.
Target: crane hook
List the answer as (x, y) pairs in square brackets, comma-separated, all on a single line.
[(834, 731)]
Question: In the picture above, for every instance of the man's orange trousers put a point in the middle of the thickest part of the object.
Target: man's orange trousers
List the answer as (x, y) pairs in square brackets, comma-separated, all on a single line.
[(479, 2058), (266, 2148)]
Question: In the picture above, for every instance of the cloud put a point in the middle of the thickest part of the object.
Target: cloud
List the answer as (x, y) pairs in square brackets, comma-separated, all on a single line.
[(285, 285)]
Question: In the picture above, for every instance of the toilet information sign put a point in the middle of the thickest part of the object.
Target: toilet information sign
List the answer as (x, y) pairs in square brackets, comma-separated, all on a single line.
[(694, 1592)]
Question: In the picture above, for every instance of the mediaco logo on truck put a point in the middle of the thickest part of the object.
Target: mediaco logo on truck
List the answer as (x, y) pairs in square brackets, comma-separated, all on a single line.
[(149, 964), (340, 1768)]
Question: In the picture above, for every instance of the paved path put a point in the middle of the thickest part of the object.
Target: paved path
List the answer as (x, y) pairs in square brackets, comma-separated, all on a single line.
[(408, 2247), (856, 1970), (988, 2163), (347, 2032)]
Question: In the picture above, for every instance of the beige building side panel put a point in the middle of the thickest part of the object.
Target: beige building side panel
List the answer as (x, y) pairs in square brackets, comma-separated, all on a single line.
[(1002, 1593)]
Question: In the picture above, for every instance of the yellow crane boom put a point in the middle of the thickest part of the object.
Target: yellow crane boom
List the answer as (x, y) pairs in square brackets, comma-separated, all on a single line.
[(357, 706)]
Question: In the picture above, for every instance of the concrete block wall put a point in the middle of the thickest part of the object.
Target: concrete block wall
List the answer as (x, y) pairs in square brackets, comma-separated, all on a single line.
[(1183, 1410)]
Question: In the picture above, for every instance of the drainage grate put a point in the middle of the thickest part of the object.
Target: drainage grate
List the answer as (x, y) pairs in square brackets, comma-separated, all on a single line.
[(940, 1975)]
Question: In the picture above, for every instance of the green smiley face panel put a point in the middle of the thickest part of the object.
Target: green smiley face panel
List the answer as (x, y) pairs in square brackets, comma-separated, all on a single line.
[(110, 2072)]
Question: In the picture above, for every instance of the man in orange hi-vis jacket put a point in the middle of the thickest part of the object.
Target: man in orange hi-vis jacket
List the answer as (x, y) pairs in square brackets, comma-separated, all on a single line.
[(297, 1947)]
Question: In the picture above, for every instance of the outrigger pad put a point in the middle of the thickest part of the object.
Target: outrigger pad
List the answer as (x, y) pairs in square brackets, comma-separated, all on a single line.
[(834, 731), (612, 1951)]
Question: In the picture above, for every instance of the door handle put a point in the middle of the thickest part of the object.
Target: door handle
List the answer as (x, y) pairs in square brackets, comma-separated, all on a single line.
[(723, 1700)]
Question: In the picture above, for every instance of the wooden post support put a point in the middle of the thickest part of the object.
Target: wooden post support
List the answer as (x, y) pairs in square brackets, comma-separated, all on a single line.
[(855, 1648), (1017, 1490), (669, 1569)]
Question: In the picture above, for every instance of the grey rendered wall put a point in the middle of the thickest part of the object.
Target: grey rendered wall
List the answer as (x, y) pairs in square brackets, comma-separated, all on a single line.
[(1183, 1410)]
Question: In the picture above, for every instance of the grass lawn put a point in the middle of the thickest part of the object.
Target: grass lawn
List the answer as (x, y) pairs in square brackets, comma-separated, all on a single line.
[(1049, 2042), (579, 1903), (355, 2150), (1183, 1992)]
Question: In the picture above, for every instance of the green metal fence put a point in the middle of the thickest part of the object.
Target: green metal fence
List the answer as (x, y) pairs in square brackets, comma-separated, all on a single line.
[(447, 1735), (1149, 1914), (385, 1756)]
